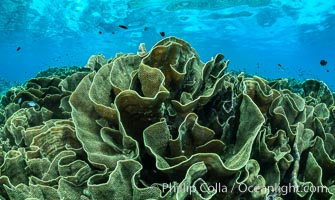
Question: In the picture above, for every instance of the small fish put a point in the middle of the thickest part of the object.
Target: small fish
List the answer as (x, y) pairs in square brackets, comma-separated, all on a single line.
[(123, 26), (146, 28), (323, 62), (327, 70), (18, 48), (100, 32), (281, 67), (162, 34), (31, 103)]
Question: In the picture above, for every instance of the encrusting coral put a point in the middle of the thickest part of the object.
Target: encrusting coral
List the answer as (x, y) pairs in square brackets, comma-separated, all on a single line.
[(164, 125)]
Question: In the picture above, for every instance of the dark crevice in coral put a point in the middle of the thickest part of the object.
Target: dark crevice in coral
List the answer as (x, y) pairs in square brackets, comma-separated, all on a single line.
[(150, 174)]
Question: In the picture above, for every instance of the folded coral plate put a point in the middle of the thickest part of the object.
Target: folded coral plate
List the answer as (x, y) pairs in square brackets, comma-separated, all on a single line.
[(162, 124)]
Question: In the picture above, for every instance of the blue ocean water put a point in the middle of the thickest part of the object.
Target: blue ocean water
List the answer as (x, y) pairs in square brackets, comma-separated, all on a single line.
[(270, 38)]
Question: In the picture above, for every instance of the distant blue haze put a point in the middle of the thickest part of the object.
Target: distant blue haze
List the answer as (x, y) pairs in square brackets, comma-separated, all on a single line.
[(256, 36)]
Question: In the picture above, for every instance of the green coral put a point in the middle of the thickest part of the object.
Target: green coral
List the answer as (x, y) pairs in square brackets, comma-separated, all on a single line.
[(164, 125), (61, 72)]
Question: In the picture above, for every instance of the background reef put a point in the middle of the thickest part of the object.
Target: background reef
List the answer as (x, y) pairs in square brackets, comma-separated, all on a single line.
[(123, 127)]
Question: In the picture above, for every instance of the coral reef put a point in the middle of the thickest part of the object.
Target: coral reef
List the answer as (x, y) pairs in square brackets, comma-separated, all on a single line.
[(51, 92), (164, 125), (5, 85), (61, 72)]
